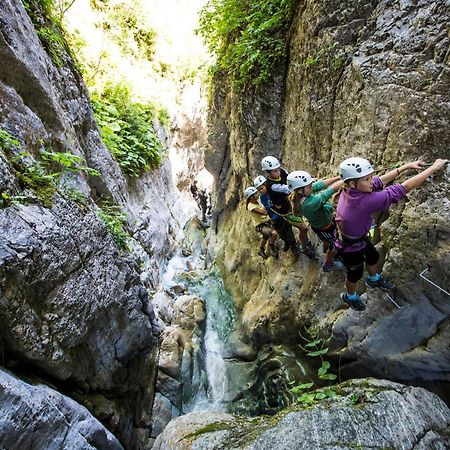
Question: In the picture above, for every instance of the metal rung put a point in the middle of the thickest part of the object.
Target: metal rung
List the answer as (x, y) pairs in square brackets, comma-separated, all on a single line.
[(393, 301), (434, 284)]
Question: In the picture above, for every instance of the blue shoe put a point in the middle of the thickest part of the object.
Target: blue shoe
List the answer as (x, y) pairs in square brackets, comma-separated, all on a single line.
[(335, 265), (382, 283), (357, 305)]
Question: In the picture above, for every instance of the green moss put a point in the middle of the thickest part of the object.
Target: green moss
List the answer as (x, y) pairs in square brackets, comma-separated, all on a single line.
[(210, 428)]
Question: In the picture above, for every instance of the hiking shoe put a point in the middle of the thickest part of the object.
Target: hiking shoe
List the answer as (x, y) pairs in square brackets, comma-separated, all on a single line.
[(335, 265), (262, 253), (309, 251), (382, 283), (273, 250), (357, 305), (296, 250)]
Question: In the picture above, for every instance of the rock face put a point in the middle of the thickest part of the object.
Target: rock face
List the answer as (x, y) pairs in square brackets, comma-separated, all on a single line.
[(73, 306), (368, 414), (39, 417), (363, 78)]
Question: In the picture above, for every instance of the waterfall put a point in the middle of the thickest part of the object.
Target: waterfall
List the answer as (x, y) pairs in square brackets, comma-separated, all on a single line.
[(220, 318), (204, 384)]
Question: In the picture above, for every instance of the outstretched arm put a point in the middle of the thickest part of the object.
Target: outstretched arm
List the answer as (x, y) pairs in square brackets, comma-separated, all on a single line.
[(391, 175), (329, 181), (337, 185), (417, 180)]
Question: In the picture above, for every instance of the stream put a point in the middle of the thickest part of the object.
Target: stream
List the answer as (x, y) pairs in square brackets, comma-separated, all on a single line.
[(223, 371)]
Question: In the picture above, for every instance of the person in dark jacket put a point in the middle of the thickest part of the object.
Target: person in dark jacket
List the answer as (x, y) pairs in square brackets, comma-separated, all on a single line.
[(279, 192)]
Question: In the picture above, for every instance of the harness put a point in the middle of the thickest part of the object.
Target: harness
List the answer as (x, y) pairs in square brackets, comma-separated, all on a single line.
[(260, 226), (348, 241)]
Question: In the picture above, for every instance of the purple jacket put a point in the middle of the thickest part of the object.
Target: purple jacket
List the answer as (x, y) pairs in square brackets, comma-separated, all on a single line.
[(354, 210)]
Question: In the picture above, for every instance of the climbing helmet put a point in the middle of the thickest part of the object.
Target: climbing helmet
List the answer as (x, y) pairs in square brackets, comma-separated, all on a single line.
[(250, 191), (269, 163), (355, 167), (259, 181), (298, 179)]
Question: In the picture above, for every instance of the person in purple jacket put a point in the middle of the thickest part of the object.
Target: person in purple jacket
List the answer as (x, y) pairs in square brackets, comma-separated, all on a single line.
[(364, 194)]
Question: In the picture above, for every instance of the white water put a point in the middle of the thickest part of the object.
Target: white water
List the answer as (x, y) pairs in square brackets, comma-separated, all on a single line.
[(220, 318), (211, 381)]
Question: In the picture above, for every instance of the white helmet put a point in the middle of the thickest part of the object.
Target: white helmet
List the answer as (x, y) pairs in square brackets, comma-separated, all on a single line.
[(355, 167), (298, 179), (250, 191), (259, 181), (269, 163)]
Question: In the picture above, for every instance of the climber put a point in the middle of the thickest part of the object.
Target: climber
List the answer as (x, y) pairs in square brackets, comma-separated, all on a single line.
[(279, 192), (203, 203), (262, 222), (283, 228), (194, 189), (362, 195), (311, 200)]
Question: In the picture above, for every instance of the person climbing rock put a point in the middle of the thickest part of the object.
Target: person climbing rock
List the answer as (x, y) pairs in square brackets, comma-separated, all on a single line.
[(278, 192), (262, 222), (311, 200), (364, 194), (194, 189), (203, 203), (283, 228)]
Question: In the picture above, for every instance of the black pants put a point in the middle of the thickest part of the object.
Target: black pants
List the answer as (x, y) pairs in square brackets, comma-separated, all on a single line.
[(328, 234), (354, 261), (284, 230)]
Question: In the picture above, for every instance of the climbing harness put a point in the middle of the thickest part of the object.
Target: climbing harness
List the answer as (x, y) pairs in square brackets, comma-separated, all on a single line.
[(429, 281)]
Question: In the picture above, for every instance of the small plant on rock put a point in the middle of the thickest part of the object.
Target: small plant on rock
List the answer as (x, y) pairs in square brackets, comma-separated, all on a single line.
[(316, 347), (115, 220)]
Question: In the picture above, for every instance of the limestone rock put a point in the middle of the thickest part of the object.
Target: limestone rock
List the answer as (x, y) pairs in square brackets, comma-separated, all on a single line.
[(363, 78), (72, 305), (368, 414), (36, 416)]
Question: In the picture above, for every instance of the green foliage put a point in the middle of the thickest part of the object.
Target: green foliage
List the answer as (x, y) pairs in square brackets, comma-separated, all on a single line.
[(115, 221), (127, 130), (248, 38), (38, 176), (8, 142), (48, 28), (315, 347), (127, 29), (322, 54), (69, 162), (5, 200), (76, 196)]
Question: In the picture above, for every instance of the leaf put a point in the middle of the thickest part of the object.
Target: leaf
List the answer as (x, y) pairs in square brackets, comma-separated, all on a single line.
[(318, 352), (320, 395), (306, 398), (313, 343), (326, 364), (330, 393), (328, 376)]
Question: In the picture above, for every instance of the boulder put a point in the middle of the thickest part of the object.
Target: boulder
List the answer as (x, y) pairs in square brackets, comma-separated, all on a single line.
[(367, 413)]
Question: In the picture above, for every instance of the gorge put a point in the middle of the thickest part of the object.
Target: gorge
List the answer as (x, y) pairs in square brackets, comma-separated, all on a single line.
[(129, 322)]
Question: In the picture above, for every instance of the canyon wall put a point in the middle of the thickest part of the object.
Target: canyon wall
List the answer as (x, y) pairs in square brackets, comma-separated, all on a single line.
[(74, 305), (366, 78)]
